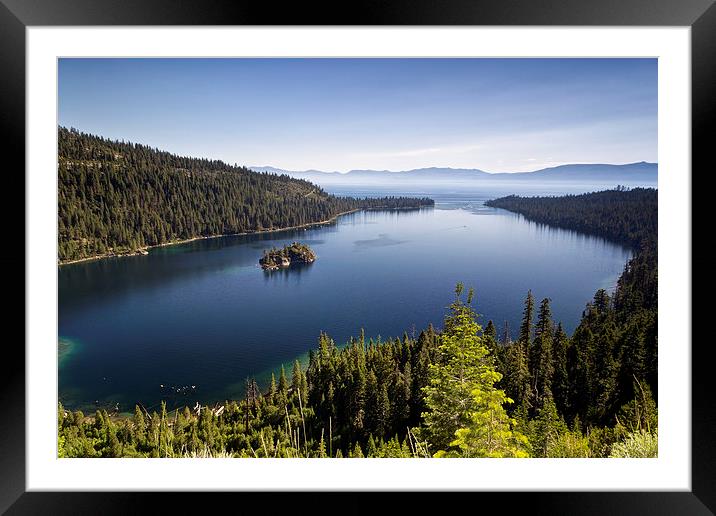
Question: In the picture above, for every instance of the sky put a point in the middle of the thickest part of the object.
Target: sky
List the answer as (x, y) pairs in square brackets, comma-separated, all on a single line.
[(497, 115)]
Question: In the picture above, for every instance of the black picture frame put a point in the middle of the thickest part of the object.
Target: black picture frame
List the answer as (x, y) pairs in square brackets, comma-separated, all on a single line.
[(17, 15)]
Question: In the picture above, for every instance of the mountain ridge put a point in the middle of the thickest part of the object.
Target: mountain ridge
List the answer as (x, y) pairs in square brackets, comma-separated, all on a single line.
[(637, 171)]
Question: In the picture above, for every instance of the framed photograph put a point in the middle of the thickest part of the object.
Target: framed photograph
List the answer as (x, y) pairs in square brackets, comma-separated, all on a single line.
[(400, 249)]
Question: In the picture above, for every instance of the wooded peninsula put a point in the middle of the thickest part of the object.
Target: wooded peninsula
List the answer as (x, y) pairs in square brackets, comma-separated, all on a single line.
[(461, 390), (119, 198)]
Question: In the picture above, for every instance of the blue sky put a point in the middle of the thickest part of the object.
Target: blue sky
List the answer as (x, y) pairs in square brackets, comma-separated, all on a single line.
[(499, 115)]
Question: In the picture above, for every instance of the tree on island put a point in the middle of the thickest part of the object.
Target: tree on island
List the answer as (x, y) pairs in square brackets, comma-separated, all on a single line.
[(281, 258)]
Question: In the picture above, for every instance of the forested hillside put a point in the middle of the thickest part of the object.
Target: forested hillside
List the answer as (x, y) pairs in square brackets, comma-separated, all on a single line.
[(613, 352), (628, 216), (116, 197)]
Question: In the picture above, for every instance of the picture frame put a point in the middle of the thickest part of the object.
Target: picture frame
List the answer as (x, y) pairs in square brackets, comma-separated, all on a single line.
[(16, 16)]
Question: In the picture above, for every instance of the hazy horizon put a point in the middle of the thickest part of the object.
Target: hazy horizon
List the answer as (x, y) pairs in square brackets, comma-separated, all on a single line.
[(438, 167), (336, 115)]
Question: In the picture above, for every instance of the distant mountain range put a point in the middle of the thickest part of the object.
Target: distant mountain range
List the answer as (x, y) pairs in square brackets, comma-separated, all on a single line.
[(641, 172)]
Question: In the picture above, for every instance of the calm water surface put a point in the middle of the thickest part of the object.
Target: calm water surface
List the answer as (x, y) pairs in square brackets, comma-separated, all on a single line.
[(202, 317)]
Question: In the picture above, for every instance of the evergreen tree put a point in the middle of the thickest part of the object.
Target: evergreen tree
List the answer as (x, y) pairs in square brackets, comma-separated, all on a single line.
[(525, 337), (517, 379), (371, 450), (383, 415), (465, 414), (282, 381), (297, 376), (322, 448), (140, 426), (490, 335), (357, 453), (560, 380), (541, 357), (506, 337), (520, 382), (272, 387), (546, 429)]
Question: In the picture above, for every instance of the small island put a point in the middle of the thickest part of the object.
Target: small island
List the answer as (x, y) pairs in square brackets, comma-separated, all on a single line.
[(282, 258)]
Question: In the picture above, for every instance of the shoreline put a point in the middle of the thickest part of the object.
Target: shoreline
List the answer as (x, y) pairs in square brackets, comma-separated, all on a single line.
[(144, 250)]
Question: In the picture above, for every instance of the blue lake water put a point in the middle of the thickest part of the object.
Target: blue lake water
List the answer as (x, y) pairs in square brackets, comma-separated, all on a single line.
[(203, 314)]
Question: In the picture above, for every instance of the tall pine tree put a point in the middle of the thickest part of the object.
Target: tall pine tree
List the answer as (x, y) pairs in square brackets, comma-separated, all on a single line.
[(465, 416), (541, 359)]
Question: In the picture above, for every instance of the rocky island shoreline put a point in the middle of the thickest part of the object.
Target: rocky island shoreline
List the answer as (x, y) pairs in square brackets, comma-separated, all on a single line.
[(296, 252)]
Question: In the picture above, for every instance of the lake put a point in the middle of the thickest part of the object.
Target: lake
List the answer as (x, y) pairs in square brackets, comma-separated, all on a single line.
[(191, 322)]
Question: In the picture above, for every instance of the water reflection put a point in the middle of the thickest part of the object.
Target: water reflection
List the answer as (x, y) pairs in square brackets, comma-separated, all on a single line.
[(295, 270)]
